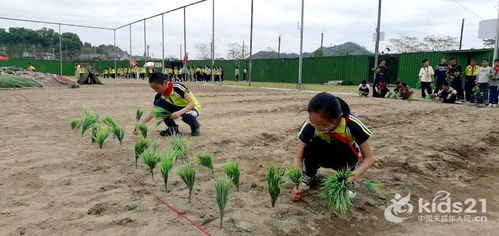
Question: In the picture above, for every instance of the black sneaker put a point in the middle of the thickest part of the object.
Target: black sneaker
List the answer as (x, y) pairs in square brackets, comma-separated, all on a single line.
[(170, 131), (195, 131)]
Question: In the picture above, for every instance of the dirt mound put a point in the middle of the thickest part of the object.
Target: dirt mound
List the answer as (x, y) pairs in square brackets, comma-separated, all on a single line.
[(48, 80)]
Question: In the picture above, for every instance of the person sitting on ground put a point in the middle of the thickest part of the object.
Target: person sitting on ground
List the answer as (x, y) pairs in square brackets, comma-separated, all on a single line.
[(178, 100), (447, 94), (380, 90), (31, 67), (404, 91), (364, 89), (331, 137)]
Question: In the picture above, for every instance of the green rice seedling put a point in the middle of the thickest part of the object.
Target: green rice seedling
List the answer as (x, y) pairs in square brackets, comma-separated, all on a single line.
[(371, 186), (179, 143), (89, 120), (161, 114), (204, 159), (95, 128), (75, 124), (101, 136), (166, 166), (155, 145), (294, 176), (143, 129), (335, 191), (232, 170), (275, 182), (108, 120), (119, 133), (140, 147), (187, 172), (151, 159), (138, 114), (222, 187)]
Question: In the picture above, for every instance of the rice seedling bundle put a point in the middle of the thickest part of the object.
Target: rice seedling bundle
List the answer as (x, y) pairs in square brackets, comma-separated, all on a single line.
[(161, 114), (204, 159), (232, 170), (140, 147), (187, 172), (222, 187), (179, 143), (167, 164), (143, 129), (275, 183), (335, 191), (294, 176), (138, 115), (101, 136), (151, 159)]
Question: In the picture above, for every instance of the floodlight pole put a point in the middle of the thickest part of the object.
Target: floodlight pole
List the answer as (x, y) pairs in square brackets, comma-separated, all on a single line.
[(300, 62), (251, 46), (60, 50), (185, 37), (461, 37), (162, 42), (212, 40), (376, 46), (115, 51), (145, 42), (496, 44), (279, 47), (130, 31), (243, 50)]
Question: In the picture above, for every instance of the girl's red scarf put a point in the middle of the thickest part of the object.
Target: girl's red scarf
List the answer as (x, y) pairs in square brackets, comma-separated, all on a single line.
[(496, 69)]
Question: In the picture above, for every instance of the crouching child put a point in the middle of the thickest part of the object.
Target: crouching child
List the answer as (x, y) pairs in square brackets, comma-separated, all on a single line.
[(177, 99), (331, 138)]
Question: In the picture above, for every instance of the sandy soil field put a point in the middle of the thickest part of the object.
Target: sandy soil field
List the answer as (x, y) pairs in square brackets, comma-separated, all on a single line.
[(54, 182)]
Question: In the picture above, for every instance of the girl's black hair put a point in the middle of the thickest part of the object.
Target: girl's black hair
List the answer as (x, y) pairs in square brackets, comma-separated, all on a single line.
[(330, 106)]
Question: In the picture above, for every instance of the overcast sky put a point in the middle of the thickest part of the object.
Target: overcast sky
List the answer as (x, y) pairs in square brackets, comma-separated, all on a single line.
[(340, 21)]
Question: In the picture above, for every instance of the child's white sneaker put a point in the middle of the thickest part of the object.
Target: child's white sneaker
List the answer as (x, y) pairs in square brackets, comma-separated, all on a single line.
[(495, 105), (306, 182), (352, 193), (490, 105)]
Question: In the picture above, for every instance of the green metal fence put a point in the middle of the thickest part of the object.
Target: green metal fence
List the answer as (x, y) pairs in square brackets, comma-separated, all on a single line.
[(349, 69), (48, 66)]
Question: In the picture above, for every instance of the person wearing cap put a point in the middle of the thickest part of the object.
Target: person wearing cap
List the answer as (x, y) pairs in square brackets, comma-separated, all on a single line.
[(177, 99)]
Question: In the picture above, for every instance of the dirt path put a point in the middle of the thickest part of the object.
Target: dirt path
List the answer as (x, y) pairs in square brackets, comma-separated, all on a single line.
[(56, 183)]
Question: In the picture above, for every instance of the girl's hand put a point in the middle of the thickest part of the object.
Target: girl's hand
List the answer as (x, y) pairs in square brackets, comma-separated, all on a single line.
[(353, 178), (296, 193)]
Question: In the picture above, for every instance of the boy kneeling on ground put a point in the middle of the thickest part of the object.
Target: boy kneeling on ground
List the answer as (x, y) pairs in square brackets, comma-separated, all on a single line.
[(364, 89), (178, 100)]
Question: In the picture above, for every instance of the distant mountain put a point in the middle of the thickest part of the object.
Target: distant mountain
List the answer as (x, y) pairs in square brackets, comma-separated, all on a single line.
[(273, 54), (348, 48)]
